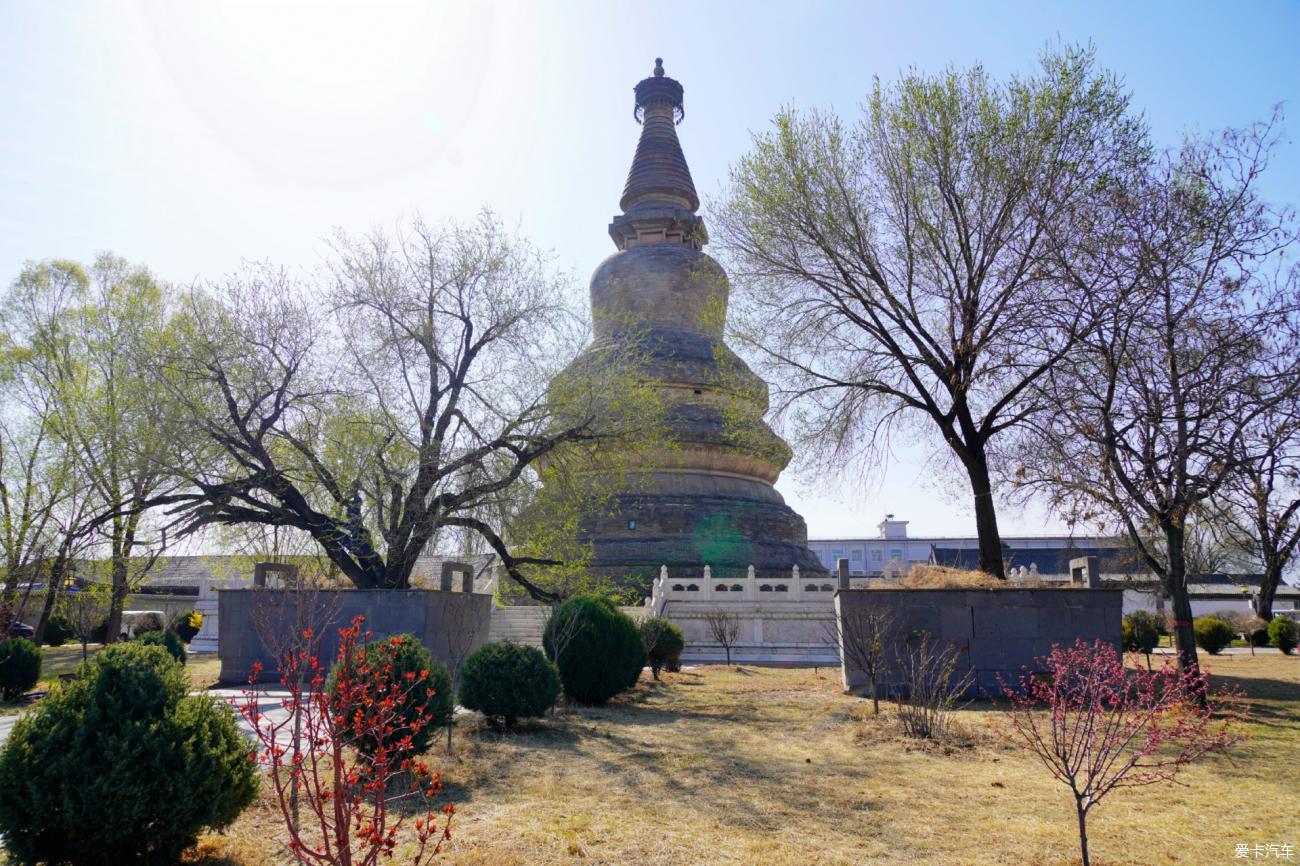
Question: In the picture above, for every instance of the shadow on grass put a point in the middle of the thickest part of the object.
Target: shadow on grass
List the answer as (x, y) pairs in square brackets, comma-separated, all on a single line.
[(1272, 702)]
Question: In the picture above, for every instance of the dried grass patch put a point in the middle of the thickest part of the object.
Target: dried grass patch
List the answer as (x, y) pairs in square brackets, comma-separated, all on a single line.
[(716, 765), (923, 576)]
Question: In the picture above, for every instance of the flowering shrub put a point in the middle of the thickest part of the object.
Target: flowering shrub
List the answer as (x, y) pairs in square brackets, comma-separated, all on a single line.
[(349, 793), (1097, 727), (187, 624)]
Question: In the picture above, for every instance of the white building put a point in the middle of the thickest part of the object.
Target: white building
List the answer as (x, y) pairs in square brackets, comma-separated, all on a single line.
[(892, 551)]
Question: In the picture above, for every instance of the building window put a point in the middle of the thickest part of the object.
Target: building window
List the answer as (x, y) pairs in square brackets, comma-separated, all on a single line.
[(896, 553), (877, 555), (631, 524), (857, 556)]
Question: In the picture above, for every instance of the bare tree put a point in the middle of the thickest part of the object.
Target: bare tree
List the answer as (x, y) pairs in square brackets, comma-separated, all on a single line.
[(724, 625), (930, 686), (461, 631), (420, 398), (1259, 509), (291, 622), (560, 631), (1200, 345), (85, 609), (866, 635), (904, 269)]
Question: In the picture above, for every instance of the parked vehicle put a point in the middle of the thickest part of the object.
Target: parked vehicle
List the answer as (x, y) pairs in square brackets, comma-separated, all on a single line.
[(21, 629)]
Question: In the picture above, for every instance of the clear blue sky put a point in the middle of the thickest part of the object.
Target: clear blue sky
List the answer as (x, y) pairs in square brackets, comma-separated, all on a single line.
[(191, 135)]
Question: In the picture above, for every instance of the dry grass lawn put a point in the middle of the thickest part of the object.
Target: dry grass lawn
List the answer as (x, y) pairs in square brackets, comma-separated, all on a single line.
[(773, 766)]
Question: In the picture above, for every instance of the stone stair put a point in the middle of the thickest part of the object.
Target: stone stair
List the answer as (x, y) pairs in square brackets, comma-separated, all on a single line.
[(519, 624)]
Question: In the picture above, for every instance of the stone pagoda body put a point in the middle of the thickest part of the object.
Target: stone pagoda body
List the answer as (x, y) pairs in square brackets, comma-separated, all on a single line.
[(709, 499)]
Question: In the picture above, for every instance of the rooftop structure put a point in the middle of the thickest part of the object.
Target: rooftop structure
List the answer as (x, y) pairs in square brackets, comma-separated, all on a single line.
[(893, 551)]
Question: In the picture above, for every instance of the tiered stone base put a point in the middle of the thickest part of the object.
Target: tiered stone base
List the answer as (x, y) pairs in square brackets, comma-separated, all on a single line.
[(687, 531)]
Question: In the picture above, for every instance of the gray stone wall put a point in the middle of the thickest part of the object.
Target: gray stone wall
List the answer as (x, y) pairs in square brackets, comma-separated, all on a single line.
[(448, 623), (997, 630)]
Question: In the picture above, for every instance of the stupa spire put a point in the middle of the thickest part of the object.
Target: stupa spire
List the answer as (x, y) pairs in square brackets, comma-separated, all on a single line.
[(659, 199)]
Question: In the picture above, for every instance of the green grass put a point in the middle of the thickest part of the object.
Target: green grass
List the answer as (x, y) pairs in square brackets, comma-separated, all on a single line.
[(67, 659)]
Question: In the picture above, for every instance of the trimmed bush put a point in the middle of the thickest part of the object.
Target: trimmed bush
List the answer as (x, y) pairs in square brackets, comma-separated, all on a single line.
[(1212, 634), (57, 630), (186, 624), (1141, 631), (165, 639), (121, 766), (20, 667), (664, 643), (1259, 637), (1284, 633), (507, 682), (386, 663), (597, 648)]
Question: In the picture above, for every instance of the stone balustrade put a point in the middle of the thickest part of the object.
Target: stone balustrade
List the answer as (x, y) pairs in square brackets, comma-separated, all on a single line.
[(704, 586)]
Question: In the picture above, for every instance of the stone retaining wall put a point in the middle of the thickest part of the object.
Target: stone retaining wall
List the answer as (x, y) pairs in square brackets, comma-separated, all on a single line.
[(997, 630), (448, 623)]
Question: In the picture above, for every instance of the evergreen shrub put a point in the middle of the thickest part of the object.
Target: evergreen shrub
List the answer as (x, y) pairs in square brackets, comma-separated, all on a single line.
[(1141, 631), (664, 643), (20, 667), (597, 648), (165, 639), (507, 682), (1212, 634), (121, 766), (57, 630), (1284, 633), (99, 633), (385, 664)]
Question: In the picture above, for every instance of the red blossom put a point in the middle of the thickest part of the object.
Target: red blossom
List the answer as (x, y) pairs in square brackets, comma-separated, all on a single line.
[(347, 793), (1097, 726)]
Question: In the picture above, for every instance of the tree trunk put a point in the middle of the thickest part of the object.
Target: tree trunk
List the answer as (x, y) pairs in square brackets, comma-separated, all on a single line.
[(51, 597), (52, 589), (986, 517), (117, 601), (1268, 588), (1176, 584), (1083, 832)]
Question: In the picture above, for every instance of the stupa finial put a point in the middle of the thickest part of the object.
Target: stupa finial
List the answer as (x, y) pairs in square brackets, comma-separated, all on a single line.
[(659, 90), (659, 177)]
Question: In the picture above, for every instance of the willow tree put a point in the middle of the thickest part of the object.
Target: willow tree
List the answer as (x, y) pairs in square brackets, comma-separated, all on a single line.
[(82, 333), (904, 269), (401, 396), (1160, 412)]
